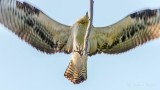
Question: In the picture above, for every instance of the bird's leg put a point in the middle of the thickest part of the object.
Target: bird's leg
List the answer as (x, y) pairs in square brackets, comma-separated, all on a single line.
[(79, 49)]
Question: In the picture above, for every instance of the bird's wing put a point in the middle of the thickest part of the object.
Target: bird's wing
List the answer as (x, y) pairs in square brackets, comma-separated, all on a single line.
[(133, 30), (36, 28)]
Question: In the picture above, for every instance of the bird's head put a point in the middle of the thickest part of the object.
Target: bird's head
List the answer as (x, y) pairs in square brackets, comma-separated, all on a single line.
[(84, 19)]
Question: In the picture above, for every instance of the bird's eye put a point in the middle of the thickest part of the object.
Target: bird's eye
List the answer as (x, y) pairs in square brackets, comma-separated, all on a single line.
[(82, 22)]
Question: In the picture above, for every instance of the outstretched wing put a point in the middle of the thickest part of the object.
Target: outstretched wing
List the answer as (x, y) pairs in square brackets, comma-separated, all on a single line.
[(36, 28), (133, 30)]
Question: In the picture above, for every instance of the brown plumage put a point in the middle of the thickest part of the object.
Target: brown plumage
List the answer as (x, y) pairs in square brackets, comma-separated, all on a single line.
[(50, 36)]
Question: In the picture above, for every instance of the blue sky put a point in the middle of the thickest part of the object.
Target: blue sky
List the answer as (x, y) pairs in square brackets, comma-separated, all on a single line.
[(24, 68)]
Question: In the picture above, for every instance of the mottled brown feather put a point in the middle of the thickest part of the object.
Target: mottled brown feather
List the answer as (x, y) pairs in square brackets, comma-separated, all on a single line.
[(133, 30), (36, 28)]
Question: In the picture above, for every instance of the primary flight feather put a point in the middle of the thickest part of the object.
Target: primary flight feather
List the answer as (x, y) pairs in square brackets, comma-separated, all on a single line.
[(50, 36)]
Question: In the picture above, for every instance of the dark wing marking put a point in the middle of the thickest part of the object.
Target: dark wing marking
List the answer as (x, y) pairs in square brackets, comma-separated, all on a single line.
[(36, 28), (126, 34)]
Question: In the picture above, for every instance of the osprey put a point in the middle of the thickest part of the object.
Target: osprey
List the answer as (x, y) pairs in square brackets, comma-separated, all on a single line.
[(50, 36)]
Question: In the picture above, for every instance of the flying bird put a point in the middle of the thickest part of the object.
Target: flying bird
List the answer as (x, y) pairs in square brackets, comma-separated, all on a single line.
[(50, 36)]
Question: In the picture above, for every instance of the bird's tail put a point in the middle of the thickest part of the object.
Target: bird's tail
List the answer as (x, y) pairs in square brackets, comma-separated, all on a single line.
[(76, 73)]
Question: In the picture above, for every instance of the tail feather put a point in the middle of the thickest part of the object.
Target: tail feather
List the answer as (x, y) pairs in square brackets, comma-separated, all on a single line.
[(75, 76)]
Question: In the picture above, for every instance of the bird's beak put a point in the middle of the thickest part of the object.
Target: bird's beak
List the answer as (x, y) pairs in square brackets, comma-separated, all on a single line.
[(86, 14)]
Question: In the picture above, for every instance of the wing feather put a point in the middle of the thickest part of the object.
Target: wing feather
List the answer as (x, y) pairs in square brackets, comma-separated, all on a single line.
[(36, 28), (133, 30)]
